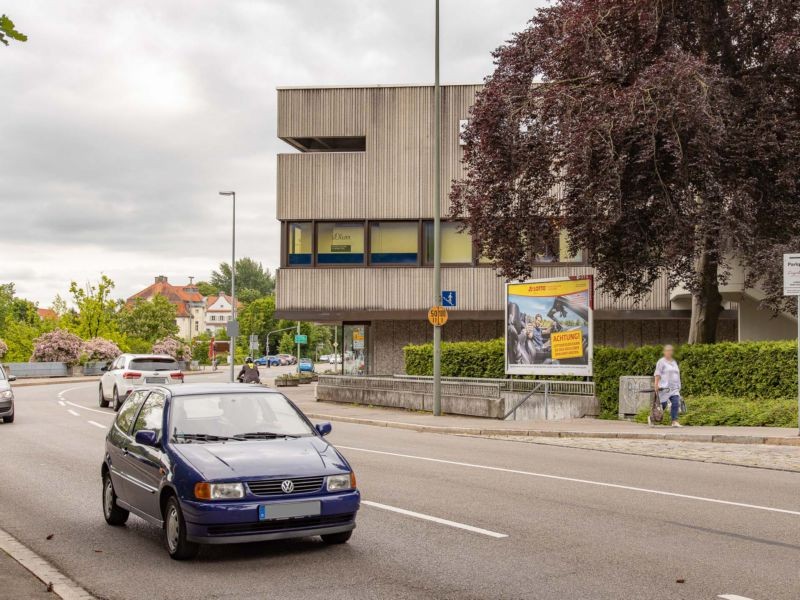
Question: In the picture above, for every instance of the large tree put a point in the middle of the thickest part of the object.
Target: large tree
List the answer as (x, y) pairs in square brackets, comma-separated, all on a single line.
[(252, 279), (149, 320), (96, 310), (663, 136)]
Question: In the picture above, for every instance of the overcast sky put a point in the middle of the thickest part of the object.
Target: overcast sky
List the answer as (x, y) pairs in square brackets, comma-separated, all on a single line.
[(120, 121)]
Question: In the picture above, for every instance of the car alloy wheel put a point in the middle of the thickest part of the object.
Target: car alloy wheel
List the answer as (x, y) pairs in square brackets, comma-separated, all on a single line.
[(101, 398), (117, 402), (173, 529), (178, 546)]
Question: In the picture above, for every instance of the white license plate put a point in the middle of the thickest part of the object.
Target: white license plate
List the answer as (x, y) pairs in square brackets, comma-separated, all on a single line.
[(155, 380), (289, 510)]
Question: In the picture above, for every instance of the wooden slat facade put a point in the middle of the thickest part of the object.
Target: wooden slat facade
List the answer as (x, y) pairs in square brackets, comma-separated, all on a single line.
[(393, 179)]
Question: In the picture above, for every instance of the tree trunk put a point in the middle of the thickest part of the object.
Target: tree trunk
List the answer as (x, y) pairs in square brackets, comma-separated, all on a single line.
[(706, 301)]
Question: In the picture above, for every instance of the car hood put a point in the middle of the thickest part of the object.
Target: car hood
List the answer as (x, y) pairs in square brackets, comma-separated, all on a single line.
[(263, 459), (4, 385)]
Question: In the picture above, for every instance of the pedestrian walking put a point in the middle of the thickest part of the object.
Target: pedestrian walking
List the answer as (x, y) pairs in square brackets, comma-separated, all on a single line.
[(668, 383)]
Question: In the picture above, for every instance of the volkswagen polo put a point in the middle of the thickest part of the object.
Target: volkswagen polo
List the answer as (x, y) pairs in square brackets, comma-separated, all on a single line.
[(225, 463)]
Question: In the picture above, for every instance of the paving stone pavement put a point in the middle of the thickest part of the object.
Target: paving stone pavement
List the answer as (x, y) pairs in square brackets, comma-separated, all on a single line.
[(782, 458)]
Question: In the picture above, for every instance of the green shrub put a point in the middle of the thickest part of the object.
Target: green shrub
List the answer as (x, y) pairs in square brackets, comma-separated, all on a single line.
[(749, 370), (724, 410)]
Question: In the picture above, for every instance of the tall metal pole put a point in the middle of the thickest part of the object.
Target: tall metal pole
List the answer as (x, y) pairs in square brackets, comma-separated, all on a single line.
[(232, 341), (437, 223), (298, 348), (798, 361)]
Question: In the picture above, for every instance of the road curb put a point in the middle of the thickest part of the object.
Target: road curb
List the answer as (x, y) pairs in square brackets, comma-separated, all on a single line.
[(627, 435), (62, 586)]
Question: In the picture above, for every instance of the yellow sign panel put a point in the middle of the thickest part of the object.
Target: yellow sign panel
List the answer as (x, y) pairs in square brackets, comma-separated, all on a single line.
[(437, 316), (549, 288), (566, 344)]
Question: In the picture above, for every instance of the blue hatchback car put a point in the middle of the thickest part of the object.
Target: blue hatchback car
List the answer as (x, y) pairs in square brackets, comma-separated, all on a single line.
[(225, 463)]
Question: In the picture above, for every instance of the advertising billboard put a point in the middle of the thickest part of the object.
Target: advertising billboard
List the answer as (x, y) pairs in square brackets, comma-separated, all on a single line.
[(549, 327)]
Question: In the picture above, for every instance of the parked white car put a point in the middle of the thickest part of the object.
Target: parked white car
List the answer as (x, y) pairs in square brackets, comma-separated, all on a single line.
[(129, 370)]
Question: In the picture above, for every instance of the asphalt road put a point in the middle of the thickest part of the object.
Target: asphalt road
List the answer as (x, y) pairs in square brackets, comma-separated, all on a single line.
[(483, 519)]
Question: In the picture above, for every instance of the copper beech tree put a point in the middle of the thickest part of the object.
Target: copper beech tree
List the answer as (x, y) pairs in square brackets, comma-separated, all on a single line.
[(662, 135)]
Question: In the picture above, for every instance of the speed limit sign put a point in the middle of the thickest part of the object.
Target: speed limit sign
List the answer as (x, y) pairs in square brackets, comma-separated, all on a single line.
[(437, 316)]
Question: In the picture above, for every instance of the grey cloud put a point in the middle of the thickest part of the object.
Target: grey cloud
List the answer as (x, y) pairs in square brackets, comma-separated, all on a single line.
[(121, 121)]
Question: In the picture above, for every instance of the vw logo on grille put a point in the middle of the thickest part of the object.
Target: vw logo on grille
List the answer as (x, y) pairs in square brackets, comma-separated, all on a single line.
[(287, 486)]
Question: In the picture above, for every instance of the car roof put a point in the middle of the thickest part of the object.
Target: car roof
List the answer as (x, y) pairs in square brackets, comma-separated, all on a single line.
[(150, 356), (196, 389)]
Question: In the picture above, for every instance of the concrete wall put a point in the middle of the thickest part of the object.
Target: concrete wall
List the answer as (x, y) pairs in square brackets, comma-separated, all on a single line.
[(554, 408), (758, 324)]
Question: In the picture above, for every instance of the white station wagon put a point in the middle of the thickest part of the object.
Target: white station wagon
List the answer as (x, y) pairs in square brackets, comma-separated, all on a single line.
[(127, 371)]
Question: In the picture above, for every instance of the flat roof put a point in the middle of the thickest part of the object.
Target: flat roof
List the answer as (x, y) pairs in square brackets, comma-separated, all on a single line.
[(370, 86)]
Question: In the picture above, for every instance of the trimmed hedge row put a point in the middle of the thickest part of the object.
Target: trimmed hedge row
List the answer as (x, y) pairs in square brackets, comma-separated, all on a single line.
[(741, 412), (751, 370)]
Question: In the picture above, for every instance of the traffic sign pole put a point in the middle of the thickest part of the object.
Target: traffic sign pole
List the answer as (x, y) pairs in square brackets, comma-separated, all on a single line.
[(437, 218), (791, 287)]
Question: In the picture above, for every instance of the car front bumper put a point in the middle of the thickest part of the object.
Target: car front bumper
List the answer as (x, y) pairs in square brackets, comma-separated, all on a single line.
[(6, 407), (237, 522)]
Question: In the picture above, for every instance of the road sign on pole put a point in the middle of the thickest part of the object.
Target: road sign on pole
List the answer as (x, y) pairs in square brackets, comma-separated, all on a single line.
[(437, 316), (232, 328), (301, 339), (791, 287), (449, 298)]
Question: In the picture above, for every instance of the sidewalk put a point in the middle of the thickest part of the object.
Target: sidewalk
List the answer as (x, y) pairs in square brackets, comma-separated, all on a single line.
[(303, 396)]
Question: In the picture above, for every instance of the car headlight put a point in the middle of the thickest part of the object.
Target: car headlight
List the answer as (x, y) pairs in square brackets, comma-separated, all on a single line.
[(338, 483), (7, 395), (218, 491)]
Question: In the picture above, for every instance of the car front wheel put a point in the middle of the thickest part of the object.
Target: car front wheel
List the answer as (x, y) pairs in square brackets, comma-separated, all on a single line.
[(117, 402), (101, 398), (337, 538), (111, 511), (178, 546)]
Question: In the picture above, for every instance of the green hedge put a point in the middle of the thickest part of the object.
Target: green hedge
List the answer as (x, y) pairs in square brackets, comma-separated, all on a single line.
[(751, 370), (722, 410)]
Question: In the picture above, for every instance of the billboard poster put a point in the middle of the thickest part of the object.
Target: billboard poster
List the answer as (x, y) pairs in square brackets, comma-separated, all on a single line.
[(549, 327)]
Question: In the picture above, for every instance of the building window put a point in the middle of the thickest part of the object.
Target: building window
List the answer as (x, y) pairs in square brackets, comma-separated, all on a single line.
[(300, 238), (394, 243), (557, 251), (340, 243), (456, 244)]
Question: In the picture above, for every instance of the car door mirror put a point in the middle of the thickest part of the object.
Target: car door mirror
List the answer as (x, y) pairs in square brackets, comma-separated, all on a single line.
[(323, 428), (12, 377), (146, 437)]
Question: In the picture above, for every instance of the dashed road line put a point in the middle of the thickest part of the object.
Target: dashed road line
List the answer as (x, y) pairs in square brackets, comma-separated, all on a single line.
[(74, 413), (96, 424), (617, 486), (733, 597), (424, 517), (97, 410)]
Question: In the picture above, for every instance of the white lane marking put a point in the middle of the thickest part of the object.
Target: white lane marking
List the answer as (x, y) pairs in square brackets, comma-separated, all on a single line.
[(62, 403), (584, 481), (416, 515), (97, 410), (96, 424), (63, 587), (733, 597), (74, 413)]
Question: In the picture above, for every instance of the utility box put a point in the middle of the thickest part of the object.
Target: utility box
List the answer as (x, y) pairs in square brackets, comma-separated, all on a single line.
[(632, 398)]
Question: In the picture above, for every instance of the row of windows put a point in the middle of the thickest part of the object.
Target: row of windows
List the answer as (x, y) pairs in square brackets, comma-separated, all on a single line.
[(221, 318), (392, 243)]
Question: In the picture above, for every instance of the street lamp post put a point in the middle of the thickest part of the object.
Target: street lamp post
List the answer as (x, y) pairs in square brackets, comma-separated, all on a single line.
[(233, 284), (437, 221)]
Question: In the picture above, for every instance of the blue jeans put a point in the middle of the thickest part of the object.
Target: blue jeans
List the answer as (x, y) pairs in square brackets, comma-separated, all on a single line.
[(674, 408)]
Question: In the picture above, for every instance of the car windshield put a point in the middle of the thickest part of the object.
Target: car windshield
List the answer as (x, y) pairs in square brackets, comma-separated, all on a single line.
[(154, 364), (2, 374), (235, 417)]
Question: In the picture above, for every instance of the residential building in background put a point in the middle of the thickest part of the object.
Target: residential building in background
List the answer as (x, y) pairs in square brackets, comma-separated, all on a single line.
[(219, 310), (190, 305), (355, 205)]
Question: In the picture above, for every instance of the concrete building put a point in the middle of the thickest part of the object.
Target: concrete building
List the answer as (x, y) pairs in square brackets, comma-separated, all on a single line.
[(356, 207), (190, 305)]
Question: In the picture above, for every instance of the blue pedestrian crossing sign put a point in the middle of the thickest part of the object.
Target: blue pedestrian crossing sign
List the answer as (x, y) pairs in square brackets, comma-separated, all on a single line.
[(449, 299)]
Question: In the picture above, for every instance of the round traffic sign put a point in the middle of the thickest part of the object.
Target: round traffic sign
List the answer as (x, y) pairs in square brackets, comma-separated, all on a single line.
[(437, 316)]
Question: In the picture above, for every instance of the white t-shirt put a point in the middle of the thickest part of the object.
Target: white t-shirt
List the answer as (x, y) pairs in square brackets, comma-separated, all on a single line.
[(670, 375)]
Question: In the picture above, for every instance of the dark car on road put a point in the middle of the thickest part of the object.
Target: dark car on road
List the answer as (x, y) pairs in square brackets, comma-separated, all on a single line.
[(6, 397), (225, 463), (273, 361)]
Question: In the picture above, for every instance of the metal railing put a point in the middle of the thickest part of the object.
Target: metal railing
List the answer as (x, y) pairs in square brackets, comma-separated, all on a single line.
[(572, 388)]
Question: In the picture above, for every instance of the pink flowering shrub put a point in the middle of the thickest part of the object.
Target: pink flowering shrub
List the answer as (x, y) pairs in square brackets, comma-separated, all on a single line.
[(100, 349), (58, 345), (174, 347), (3, 348)]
